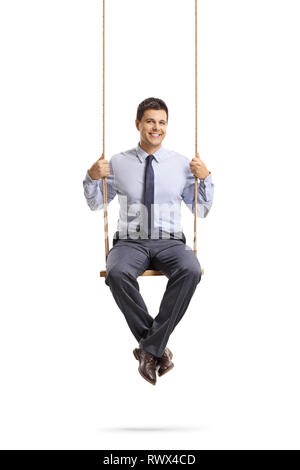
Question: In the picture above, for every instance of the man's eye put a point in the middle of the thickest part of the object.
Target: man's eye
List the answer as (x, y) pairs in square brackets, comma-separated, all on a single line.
[(163, 123)]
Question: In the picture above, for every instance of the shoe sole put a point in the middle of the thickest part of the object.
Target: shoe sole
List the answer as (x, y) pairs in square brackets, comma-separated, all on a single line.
[(135, 353)]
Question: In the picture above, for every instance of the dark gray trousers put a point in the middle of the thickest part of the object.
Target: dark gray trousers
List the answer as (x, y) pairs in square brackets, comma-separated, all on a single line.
[(126, 260)]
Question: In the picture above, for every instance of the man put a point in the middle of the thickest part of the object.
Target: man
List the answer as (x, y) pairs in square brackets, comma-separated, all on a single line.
[(151, 182)]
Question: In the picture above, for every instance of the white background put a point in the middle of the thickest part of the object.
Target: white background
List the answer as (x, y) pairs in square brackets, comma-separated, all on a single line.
[(68, 376)]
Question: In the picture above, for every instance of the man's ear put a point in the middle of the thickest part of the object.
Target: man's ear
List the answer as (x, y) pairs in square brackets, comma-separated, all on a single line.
[(137, 124)]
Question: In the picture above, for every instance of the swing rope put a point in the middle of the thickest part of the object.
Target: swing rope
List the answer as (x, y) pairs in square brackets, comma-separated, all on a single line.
[(196, 123), (103, 133), (104, 183)]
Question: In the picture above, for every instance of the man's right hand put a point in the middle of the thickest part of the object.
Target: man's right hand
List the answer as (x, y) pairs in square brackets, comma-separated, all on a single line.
[(100, 169)]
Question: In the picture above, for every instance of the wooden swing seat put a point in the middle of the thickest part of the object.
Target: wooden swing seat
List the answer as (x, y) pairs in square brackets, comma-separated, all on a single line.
[(148, 272)]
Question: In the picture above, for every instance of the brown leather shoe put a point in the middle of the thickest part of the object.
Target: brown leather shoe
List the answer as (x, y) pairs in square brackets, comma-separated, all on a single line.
[(165, 364), (147, 366)]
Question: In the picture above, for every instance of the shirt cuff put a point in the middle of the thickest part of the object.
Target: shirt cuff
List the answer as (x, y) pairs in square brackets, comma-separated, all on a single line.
[(88, 178)]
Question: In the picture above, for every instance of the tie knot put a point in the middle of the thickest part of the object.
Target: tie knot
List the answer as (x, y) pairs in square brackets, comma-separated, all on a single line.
[(150, 158)]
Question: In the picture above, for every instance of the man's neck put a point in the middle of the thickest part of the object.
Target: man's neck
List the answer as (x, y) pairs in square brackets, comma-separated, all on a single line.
[(149, 149)]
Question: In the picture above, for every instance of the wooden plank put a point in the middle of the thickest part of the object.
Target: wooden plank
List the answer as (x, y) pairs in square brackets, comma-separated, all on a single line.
[(148, 272)]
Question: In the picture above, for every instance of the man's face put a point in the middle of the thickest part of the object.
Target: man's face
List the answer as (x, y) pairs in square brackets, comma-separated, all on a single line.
[(152, 127)]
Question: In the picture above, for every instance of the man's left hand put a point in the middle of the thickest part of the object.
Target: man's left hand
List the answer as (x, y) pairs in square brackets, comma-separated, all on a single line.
[(198, 167)]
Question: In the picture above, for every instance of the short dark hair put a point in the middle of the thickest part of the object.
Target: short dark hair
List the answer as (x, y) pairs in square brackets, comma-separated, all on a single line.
[(150, 103)]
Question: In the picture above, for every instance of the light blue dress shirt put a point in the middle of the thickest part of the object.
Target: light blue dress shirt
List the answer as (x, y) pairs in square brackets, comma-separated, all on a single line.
[(173, 182)]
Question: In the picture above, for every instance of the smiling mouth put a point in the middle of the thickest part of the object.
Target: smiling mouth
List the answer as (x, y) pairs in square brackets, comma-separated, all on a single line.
[(155, 135)]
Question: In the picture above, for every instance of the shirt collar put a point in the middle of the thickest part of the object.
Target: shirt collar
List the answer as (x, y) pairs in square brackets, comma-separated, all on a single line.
[(142, 155)]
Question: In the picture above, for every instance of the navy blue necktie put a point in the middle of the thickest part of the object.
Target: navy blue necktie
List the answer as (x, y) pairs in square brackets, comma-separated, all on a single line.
[(149, 189)]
